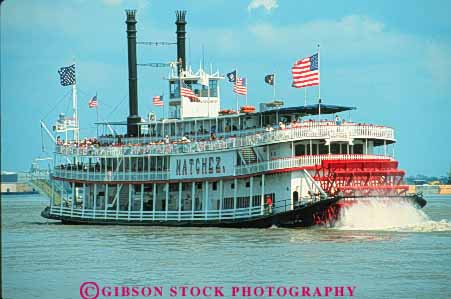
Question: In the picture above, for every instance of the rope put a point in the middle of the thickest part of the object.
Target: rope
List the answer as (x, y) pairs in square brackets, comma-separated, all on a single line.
[(56, 105)]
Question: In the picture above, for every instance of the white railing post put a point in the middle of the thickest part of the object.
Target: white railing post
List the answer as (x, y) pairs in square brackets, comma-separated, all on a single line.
[(221, 197), (95, 201), (193, 199), (84, 201), (142, 203), (106, 200), (180, 201), (154, 200)]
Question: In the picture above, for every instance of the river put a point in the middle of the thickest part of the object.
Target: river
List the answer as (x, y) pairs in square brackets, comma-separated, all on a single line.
[(381, 251)]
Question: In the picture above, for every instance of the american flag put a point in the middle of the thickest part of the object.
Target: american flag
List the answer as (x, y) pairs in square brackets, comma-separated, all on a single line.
[(158, 101), (67, 75), (306, 72), (93, 102), (186, 92), (240, 86)]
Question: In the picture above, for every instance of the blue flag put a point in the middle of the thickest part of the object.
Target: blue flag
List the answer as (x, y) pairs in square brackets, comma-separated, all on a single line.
[(67, 75), (232, 76)]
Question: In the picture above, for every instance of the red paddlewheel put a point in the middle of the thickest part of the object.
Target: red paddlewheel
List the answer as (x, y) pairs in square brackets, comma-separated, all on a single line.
[(372, 177), (327, 216)]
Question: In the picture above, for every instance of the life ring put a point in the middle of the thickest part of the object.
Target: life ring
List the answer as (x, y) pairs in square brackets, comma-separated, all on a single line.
[(248, 109)]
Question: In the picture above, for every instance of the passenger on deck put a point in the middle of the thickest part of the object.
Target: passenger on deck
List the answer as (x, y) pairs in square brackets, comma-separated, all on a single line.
[(185, 139)]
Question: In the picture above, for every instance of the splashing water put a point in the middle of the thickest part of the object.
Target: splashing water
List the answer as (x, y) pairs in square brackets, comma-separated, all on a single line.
[(394, 214)]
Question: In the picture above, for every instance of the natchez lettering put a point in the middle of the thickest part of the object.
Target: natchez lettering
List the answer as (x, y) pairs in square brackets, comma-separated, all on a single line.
[(197, 166)]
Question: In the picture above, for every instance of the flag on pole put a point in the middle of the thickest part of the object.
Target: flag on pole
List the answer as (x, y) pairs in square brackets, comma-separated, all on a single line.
[(67, 75), (188, 93), (240, 86), (306, 72), (232, 76), (93, 102), (158, 101), (269, 79)]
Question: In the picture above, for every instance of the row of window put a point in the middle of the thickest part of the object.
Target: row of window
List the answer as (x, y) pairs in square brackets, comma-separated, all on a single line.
[(243, 201)]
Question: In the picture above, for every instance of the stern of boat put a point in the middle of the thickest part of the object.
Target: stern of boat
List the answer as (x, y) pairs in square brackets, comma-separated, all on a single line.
[(370, 181)]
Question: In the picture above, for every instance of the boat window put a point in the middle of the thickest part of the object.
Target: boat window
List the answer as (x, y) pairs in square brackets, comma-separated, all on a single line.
[(323, 149), (358, 148), (196, 88), (300, 150), (174, 89), (335, 148), (213, 88)]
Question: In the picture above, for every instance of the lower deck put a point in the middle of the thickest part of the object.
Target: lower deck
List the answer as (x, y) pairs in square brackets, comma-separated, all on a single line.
[(222, 199)]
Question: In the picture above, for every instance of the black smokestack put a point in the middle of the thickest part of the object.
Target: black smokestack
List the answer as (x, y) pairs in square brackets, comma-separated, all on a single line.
[(133, 118), (180, 22)]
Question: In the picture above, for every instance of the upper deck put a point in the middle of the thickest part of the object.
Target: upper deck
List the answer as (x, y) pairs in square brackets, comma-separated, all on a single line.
[(204, 141)]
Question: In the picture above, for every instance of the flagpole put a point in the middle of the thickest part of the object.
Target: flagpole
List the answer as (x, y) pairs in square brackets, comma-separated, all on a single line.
[(319, 85), (305, 97), (236, 95), (75, 111), (247, 89), (97, 112), (75, 105), (274, 87), (180, 99), (319, 74)]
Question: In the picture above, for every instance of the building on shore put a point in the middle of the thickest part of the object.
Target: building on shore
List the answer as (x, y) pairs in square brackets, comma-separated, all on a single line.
[(15, 183)]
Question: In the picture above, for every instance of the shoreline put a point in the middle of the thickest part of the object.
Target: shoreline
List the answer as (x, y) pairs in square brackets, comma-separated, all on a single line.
[(431, 189)]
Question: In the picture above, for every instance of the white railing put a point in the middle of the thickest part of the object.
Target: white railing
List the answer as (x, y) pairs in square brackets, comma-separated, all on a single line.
[(329, 131), (282, 163), (37, 175), (111, 176), (101, 214), (302, 161)]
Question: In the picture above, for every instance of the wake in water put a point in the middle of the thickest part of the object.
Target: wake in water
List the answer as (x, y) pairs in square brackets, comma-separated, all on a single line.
[(387, 214)]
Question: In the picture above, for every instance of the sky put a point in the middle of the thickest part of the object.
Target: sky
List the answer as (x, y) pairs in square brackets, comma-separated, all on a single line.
[(390, 60)]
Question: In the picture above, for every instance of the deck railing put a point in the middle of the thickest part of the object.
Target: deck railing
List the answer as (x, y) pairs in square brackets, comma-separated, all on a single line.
[(301, 161), (111, 176), (282, 163), (102, 214), (348, 131)]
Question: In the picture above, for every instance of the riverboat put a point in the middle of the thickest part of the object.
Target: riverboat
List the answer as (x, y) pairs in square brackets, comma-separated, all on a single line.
[(207, 166)]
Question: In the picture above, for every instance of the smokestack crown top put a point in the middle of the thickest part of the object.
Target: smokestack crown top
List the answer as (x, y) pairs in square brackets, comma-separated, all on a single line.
[(131, 13), (180, 16)]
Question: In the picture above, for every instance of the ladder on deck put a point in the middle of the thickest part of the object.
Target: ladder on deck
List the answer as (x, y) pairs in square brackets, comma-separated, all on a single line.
[(248, 155)]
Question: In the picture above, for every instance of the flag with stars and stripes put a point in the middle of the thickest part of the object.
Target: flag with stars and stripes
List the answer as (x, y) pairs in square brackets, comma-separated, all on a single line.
[(67, 75), (93, 102), (188, 93), (306, 72), (240, 86), (158, 101)]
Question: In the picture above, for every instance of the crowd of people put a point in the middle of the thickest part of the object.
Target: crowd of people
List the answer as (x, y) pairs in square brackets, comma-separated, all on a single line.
[(125, 141)]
